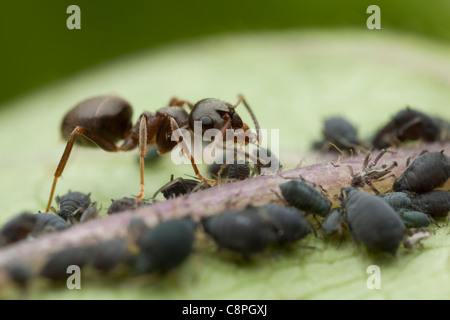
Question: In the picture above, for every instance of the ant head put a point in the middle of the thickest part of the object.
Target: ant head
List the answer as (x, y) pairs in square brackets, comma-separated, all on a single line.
[(215, 114)]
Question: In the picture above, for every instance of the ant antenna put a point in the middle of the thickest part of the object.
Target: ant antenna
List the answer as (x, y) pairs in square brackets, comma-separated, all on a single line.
[(255, 121)]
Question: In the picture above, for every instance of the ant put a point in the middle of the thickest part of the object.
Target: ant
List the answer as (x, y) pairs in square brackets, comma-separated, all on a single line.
[(104, 120)]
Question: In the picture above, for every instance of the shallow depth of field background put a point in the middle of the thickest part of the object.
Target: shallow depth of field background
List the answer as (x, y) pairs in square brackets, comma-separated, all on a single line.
[(296, 63), (37, 48)]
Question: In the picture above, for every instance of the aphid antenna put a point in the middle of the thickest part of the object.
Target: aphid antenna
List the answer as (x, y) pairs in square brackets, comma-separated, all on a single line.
[(280, 197)]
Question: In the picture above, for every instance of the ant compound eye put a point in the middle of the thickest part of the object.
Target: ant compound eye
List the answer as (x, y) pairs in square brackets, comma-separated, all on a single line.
[(236, 121), (207, 123)]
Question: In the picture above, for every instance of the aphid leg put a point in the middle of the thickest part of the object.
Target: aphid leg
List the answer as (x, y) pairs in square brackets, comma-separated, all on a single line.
[(103, 143), (366, 161), (408, 161), (382, 152), (434, 221), (386, 177), (324, 191), (313, 228), (280, 198), (341, 153), (350, 168), (142, 153), (369, 183)]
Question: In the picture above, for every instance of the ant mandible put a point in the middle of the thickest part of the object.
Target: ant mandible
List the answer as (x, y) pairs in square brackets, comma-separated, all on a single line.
[(104, 120)]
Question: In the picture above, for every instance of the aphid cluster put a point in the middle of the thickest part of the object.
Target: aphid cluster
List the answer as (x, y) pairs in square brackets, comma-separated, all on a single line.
[(381, 222), (253, 229), (407, 125)]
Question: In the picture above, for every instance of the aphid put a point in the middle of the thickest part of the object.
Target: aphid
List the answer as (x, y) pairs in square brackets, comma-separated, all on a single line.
[(333, 222), (17, 228), (369, 171), (290, 223), (414, 219), (19, 273), (91, 213), (180, 186), (397, 200), (417, 235), (339, 132), (239, 171), (105, 120), (165, 246), (48, 222), (122, 204), (243, 231), (407, 125), (136, 229), (56, 266), (436, 203), (428, 171), (106, 255), (72, 205), (372, 220), (305, 198)]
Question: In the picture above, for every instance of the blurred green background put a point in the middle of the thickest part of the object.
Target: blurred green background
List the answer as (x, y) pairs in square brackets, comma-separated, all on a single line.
[(37, 47)]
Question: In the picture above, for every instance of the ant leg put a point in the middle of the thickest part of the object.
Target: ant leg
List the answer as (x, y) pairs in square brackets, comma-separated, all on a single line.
[(103, 143), (142, 153), (175, 102), (185, 150)]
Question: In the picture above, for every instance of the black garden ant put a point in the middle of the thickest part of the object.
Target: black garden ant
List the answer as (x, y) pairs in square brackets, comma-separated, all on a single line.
[(104, 120)]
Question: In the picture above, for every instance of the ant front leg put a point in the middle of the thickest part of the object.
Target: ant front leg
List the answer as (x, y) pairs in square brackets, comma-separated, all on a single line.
[(102, 142), (164, 145)]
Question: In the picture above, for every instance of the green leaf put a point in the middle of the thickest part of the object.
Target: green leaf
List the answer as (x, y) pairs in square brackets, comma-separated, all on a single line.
[(292, 80)]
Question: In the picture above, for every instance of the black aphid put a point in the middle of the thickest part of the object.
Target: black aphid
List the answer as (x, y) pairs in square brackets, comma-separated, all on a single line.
[(333, 222), (397, 200), (180, 186), (407, 125), (19, 273), (48, 222), (56, 266), (339, 132), (372, 220), (17, 228), (428, 171), (165, 246), (244, 231), (122, 204), (436, 203), (72, 205), (302, 196), (414, 219), (232, 171), (290, 223), (106, 255)]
